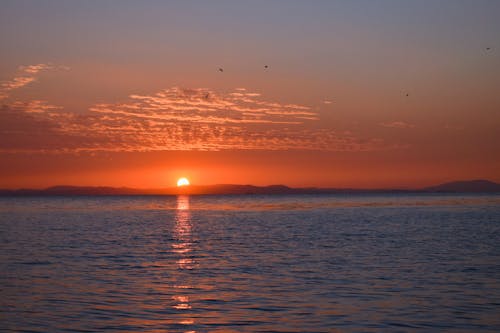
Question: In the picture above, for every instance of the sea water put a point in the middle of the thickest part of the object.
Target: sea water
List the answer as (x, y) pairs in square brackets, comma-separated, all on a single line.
[(305, 263)]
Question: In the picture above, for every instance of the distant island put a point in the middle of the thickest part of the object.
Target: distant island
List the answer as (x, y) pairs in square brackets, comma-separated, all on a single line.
[(470, 186)]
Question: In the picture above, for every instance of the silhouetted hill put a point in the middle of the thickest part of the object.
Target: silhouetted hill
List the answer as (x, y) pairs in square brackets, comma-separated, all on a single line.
[(193, 189), (473, 186), (237, 189), (74, 190), (91, 190), (470, 186)]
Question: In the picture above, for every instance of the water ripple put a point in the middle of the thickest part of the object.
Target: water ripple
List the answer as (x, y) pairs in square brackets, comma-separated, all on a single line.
[(250, 264)]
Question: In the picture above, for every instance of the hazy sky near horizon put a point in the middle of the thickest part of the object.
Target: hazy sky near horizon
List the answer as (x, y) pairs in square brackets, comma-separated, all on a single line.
[(355, 93)]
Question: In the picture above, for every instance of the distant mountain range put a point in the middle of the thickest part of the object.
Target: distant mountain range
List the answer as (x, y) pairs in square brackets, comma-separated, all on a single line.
[(470, 186), (473, 186)]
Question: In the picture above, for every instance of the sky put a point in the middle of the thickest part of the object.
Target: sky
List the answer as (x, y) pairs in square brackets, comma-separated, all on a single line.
[(363, 94)]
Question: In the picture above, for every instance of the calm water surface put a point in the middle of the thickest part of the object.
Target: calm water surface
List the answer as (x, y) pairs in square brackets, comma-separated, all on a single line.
[(330, 263)]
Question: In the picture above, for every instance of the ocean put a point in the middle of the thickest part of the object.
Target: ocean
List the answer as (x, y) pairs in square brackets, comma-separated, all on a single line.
[(251, 263)]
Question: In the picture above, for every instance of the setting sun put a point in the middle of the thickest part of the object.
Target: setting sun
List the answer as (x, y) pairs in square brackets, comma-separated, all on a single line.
[(182, 182)]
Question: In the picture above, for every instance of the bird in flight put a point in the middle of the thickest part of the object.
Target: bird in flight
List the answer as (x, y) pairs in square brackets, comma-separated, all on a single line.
[(266, 66), (221, 70), (488, 48)]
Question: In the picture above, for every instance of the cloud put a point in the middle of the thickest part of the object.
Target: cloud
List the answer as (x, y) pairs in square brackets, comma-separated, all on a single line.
[(34, 106), (202, 119), (169, 120), (327, 102), (204, 106), (24, 76), (34, 69), (16, 83), (397, 124)]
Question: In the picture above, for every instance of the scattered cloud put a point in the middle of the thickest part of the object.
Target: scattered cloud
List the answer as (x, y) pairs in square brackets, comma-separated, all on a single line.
[(24, 76), (207, 107), (168, 120), (34, 69), (397, 124), (327, 102), (16, 83), (34, 106), (173, 119)]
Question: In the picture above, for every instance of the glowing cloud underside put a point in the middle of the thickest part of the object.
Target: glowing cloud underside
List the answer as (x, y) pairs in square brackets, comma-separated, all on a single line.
[(170, 120)]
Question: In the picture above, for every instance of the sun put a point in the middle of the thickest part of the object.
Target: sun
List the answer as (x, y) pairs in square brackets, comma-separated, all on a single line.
[(182, 182)]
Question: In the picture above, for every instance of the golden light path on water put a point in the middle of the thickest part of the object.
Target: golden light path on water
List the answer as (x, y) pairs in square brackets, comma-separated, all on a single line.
[(183, 246)]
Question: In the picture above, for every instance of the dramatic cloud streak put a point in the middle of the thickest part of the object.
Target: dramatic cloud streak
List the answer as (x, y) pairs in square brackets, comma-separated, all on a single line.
[(169, 120), (207, 107), (172, 119), (25, 75)]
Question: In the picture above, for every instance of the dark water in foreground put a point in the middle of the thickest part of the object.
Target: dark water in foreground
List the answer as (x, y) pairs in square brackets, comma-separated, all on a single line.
[(251, 264)]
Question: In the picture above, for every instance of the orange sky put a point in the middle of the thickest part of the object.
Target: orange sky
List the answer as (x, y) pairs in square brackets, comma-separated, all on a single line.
[(355, 94)]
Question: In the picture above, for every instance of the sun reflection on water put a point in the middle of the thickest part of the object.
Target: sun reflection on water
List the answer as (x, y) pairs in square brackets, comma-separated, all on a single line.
[(182, 248)]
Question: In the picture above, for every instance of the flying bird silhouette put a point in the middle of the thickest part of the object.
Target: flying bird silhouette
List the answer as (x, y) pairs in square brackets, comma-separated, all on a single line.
[(488, 48), (221, 70), (266, 66)]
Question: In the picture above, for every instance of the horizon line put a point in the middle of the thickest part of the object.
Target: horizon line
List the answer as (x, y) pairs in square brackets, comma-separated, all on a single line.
[(475, 183)]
